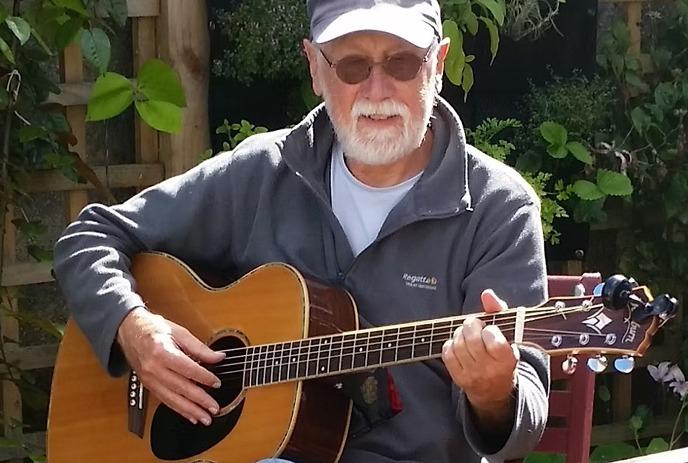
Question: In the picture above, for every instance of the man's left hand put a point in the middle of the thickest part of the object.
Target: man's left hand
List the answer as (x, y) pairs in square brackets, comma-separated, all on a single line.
[(481, 361)]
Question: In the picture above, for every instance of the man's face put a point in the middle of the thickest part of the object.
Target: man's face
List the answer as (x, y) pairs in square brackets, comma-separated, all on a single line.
[(380, 119)]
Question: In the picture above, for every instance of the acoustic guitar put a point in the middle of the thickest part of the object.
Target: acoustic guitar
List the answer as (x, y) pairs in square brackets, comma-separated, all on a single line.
[(286, 339)]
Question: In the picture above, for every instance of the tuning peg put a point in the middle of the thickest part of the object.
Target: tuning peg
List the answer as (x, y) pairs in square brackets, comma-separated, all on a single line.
[(598, 363), (624, 364), (569, 365)]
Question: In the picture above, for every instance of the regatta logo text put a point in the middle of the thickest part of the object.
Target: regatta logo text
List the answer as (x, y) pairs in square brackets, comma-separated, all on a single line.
[(420, 281)]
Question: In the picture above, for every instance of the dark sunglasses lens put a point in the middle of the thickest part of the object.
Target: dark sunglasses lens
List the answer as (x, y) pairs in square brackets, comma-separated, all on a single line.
[(353, 69), (403, 66)]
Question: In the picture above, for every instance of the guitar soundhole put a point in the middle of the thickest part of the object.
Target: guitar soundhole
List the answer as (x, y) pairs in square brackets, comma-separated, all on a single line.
[(175, 438)]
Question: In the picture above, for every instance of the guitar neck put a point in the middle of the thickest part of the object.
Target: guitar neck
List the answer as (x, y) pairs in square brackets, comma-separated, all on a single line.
[(354, 351)]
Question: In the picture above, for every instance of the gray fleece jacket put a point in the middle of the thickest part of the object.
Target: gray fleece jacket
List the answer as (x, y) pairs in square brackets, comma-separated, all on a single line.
[(468, 224)]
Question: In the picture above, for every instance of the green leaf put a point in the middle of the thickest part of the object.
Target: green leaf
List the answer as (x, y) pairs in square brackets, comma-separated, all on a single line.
[(456, 59), (467, 81), (67, 33), (635, 423), (579, 152), (95, 46), (554, 133), (557, 151), (19, 27), (657, 445), (161, 115), (112, 94), (614, 183), (73, 5), (30, 133), (537, 457), (159, 82), (587, 190), (497, 9), (471, 22), (640, 119), (494, 36), (603, 393), (612, 452), (6, 51), (118, 10), (634, 80)]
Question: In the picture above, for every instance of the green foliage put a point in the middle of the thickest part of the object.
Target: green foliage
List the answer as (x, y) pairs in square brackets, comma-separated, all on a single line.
[(235, 133), (651, 141), (464, 17), (36, 136), (263, 40), (487, 137), (157, 94)]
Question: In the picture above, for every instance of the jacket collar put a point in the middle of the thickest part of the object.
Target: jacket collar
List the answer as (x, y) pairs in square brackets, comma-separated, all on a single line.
[(442, 190)]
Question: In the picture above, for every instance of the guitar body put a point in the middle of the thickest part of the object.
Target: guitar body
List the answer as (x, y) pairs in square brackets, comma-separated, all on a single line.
[(307, 421)]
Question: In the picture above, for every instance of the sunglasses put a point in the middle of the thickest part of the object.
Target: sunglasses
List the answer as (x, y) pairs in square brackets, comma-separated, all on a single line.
[(355, 69)]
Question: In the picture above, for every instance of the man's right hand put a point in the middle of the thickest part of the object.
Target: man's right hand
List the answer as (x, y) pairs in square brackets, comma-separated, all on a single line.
[(165, 355)]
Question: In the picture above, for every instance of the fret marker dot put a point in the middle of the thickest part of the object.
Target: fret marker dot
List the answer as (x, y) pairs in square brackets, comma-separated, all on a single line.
[(422, 339), (360, 349), (389, 344), (294, 359), (322, 368), (276, 362)]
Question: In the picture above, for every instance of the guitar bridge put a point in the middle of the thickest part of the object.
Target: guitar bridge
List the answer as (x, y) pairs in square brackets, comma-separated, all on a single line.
[(136, 404)]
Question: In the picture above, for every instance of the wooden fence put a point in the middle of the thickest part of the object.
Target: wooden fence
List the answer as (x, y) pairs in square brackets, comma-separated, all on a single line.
[(175, 31)]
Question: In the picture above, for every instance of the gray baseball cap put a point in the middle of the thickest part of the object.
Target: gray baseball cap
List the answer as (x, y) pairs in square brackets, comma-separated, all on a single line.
[(416, 21)]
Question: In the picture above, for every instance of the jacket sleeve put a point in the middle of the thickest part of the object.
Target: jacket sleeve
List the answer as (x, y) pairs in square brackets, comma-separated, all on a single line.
[(510, 259), (93, 256)]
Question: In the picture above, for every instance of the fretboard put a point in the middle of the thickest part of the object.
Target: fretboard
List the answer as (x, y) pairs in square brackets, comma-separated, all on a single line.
[(348, 352)]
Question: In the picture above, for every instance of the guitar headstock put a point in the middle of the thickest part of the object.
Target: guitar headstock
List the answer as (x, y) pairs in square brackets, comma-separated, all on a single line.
[(619, 319)]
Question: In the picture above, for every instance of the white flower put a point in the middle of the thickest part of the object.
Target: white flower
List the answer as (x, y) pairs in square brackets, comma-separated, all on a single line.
[(680, 388), (661, 373), (677, 374)]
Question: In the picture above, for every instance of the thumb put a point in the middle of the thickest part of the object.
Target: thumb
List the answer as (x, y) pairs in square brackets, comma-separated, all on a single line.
[(195, 348), (491, 303)]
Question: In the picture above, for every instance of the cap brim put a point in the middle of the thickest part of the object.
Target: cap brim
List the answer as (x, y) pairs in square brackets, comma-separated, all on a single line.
[(396, 22)]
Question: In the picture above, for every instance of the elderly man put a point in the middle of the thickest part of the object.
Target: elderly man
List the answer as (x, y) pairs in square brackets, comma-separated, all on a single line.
[(374, 191)]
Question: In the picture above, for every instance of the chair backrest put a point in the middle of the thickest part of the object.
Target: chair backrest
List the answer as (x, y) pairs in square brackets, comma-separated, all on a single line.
[(571, 398)]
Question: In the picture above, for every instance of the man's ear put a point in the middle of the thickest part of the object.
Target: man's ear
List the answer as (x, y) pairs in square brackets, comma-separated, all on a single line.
[(312, 55), (442, 55)]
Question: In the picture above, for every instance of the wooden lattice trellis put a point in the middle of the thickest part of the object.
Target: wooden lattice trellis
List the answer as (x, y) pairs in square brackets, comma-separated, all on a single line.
[(176, 31)]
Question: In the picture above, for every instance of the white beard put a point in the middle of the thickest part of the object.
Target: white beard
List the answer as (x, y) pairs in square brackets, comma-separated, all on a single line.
[(388, 145)]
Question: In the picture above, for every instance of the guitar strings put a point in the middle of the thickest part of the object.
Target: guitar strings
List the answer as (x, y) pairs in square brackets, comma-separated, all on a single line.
[(499, 316), (377, 338), (263, 362)]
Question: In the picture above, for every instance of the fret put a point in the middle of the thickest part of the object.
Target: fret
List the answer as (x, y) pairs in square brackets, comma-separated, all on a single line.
[(262, 365), (389, 341), (335, 357), (348, 352), (283, 363), (360, 350), (406, 342), (323, 350), (293, 369), (304, 346), (442, 330), (269, 364), (312, 363), (375, 345), (422, 341)]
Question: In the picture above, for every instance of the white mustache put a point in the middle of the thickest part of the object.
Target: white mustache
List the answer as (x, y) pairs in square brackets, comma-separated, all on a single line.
[(386, 108)]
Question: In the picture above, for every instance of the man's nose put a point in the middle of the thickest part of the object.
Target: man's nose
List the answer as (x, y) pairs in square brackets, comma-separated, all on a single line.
[(378, 86)]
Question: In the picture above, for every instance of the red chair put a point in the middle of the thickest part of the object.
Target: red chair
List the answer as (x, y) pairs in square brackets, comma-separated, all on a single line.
[(571, 398)]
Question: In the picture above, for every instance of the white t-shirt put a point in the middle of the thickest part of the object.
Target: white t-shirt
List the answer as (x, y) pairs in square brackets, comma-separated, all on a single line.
[(361, 209)]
